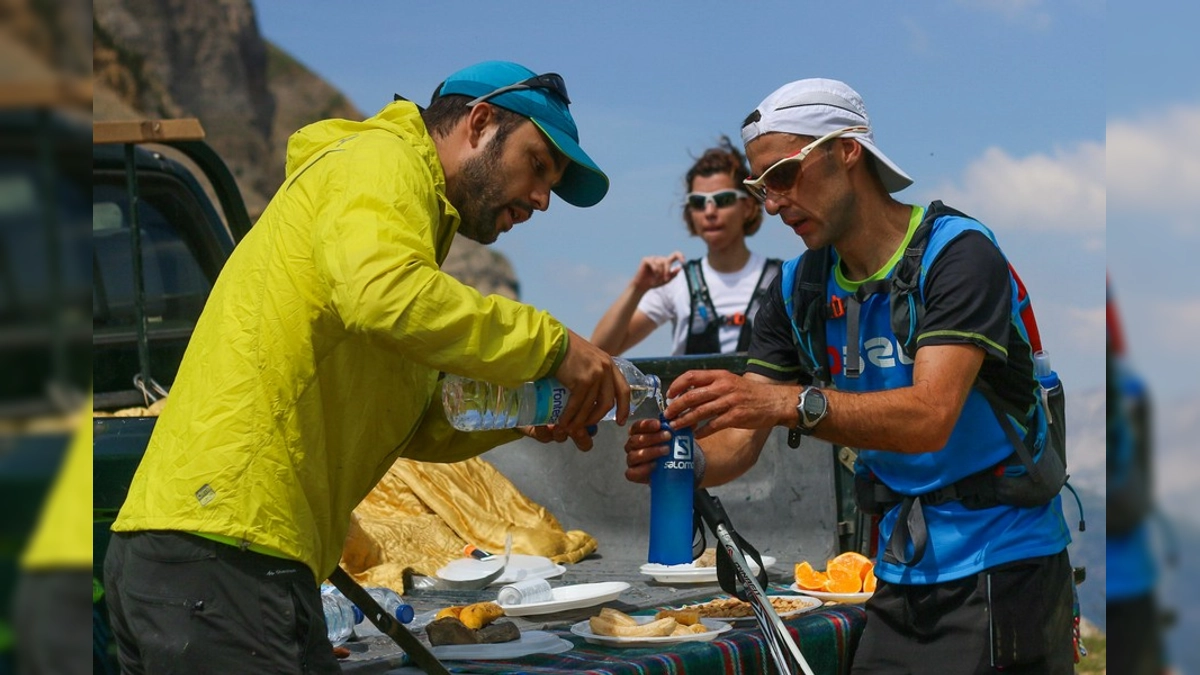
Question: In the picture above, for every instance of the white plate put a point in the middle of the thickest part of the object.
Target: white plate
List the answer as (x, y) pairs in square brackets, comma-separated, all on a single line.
[(810, 604), (584, 630), (570, 597), (531, 642), (688, 573), (832, 597), (520, 567)]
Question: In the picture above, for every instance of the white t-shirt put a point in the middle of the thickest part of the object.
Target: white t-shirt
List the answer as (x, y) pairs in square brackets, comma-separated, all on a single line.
[(730, 293)]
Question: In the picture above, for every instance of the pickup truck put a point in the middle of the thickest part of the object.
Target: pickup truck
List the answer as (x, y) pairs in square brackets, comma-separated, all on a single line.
[(159, 242), (146, 199)]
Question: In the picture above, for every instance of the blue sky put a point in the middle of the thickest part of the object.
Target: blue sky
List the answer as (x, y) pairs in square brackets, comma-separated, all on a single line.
[(1153, 102), (1001, 108)]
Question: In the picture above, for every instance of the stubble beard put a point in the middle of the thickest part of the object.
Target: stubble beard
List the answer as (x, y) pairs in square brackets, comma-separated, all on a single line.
[(477, 194)]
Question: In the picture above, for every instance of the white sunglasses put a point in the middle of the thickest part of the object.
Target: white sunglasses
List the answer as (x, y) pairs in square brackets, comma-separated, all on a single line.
[(779, 180), (699, 201)]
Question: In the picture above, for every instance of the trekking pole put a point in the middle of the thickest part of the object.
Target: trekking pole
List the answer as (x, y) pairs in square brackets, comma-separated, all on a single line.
[(386, 623), (783, 649)]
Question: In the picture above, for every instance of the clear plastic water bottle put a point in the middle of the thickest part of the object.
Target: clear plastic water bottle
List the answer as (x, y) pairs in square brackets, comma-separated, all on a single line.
[(475, 405), (339, 617), (672, 485), (392, 603)]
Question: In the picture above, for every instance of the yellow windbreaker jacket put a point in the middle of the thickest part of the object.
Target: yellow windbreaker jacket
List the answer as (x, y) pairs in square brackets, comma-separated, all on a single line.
[(315, 362), (63, 538)]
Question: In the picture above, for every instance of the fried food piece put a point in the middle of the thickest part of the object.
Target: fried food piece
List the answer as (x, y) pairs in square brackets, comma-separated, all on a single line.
[(657, 628), (480, 614), (685, 617), (706, 559), (618, 617), (452, 612), (694, 629)]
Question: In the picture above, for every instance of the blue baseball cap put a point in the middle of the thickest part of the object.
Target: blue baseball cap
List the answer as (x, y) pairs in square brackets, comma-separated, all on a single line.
[(543, 99)]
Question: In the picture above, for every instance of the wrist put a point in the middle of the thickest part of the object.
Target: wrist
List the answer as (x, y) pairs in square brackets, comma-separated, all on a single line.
[(790, 414)]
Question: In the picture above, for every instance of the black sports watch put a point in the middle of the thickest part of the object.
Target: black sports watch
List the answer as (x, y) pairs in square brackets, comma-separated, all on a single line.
[(812, 408)]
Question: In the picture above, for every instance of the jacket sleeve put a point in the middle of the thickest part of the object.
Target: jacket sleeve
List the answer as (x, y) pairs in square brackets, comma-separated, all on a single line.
[(380, 225)]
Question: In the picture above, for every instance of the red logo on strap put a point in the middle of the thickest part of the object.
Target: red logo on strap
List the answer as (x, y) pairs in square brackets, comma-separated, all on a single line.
[(835, 362)]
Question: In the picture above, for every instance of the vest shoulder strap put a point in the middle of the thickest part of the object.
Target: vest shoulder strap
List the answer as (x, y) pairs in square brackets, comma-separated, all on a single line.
[(769, 271), (698, 291), (803, 285)]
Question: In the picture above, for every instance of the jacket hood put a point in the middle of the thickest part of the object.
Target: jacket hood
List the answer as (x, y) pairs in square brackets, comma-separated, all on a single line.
[(401, 118)]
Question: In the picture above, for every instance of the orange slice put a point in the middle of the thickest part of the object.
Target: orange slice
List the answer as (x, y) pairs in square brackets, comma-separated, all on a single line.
[(849, 563), (842, 580), (808, 578), (854, 557), (867, 570), (869, 581)]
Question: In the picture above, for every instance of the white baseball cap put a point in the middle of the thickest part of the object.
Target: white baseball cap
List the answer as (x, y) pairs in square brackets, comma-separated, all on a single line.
[(815, 107)]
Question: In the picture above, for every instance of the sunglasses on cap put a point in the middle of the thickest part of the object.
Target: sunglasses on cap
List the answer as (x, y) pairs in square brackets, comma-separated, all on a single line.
[(551, 81), (699, 201), (782, 175)]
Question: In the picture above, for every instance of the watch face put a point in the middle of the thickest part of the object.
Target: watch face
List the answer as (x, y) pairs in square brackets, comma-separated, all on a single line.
[(814, 406), (814, 403)]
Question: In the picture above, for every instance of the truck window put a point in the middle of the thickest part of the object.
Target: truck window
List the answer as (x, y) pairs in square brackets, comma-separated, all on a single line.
[(175, 282)]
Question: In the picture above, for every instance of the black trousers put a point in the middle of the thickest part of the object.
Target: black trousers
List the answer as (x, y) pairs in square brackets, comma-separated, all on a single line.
[(184, 604), (53, 611), (1013, 618), (1135, 645)]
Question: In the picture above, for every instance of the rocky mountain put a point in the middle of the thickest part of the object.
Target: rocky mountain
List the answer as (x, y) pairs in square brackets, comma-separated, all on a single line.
[(175, 58)]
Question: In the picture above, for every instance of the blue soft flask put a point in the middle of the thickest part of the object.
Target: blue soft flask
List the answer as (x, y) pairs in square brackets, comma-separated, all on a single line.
[(671, 488)]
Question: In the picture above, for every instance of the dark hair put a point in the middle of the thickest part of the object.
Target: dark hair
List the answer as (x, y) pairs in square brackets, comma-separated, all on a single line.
[(445, 111), (722, 159)]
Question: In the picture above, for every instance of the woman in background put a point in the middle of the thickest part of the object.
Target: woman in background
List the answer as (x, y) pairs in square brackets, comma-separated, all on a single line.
[(711, 305)]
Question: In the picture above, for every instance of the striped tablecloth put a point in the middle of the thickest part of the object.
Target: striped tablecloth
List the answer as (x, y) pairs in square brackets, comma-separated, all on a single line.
[(827, 638)]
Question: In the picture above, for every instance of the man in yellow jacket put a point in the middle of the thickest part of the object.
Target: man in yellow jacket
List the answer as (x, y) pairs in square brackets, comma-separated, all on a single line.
[(316, 363), (52, 607)]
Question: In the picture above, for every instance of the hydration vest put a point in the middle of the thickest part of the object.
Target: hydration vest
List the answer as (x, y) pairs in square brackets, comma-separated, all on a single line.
[(1128, 469), (804, 287), (704, 324)]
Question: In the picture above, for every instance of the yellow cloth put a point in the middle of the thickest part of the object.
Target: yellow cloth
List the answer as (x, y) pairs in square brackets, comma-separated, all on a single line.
[(63, 538), (315, 362), (420, 516)]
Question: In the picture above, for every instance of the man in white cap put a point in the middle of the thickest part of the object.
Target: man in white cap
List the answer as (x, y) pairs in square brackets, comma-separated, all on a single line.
[(908, 320), (317, 363)]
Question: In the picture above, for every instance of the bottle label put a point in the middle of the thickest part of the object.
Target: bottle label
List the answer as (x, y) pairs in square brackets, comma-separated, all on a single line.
[(551, 399)]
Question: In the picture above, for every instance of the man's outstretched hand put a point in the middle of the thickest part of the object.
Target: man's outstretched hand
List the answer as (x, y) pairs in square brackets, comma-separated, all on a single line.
[(595, 383)]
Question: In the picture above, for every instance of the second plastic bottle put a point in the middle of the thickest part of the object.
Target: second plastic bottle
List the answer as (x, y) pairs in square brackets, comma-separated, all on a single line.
[(340, 617), (475, 405), (392, 603)]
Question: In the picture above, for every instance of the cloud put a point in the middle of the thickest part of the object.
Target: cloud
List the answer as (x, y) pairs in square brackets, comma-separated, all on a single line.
[(1027, 12), (1154, 165), (1063, 191), (1086, 328)]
